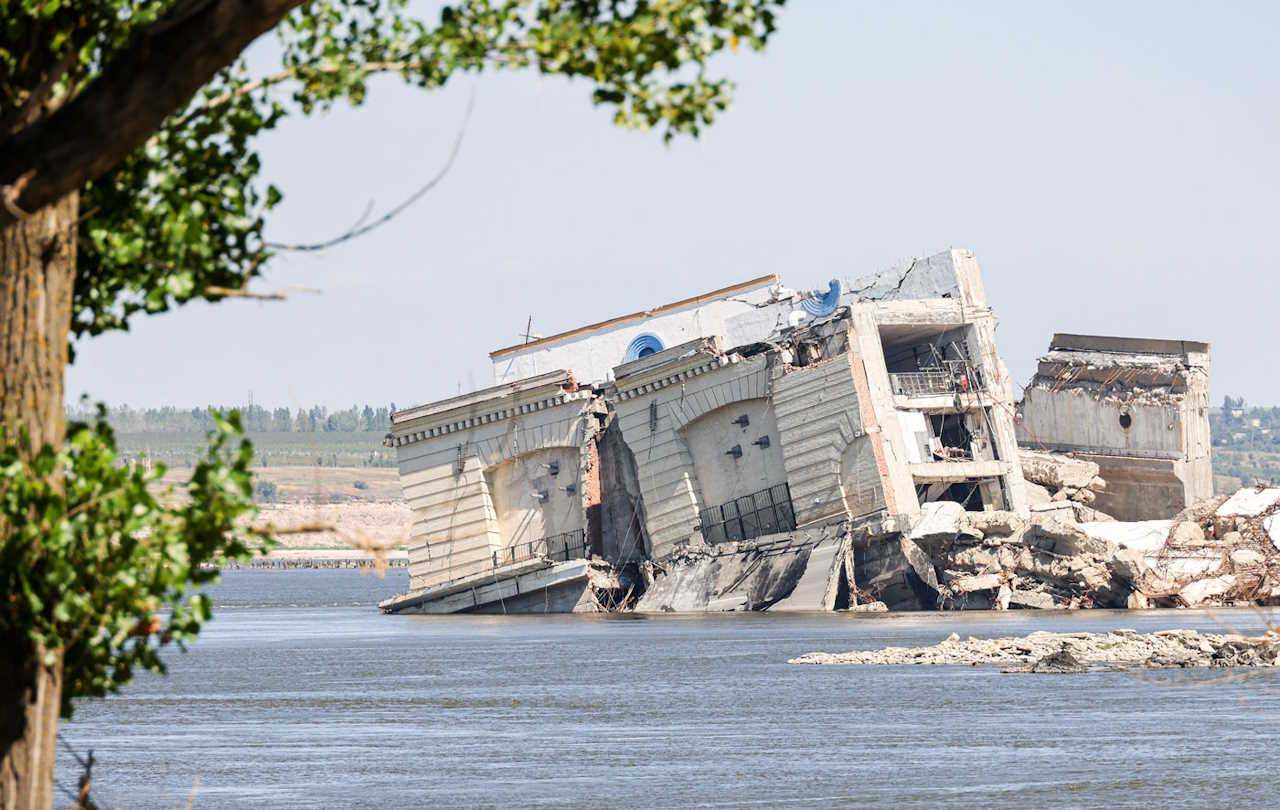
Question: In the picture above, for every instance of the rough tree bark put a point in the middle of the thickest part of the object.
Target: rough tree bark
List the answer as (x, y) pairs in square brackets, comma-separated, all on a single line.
[(37, 272)]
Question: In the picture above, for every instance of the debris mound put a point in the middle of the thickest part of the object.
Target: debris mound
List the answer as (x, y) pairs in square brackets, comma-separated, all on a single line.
[(1044, 652)]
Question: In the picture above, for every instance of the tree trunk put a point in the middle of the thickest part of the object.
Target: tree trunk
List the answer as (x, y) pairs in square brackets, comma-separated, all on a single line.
[(37, 272)]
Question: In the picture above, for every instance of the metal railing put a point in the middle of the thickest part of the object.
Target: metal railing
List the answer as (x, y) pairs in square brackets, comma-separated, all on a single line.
[(556, 548), (946, 380), (765, 512), (921, 383)]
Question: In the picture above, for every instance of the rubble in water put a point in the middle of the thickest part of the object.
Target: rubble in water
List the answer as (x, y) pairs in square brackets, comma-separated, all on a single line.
[(1221, 552), (1077, 652)]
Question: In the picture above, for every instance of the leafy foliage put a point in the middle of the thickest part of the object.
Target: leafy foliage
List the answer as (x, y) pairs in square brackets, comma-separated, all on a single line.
[(96, 564), (183, 217), (89, 559)]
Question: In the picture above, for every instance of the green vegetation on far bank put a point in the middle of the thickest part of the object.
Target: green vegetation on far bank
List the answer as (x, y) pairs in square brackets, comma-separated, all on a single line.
[(1246, 444)]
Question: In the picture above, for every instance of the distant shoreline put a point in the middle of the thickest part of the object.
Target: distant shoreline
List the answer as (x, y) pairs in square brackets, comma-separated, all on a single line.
[(292, 558)]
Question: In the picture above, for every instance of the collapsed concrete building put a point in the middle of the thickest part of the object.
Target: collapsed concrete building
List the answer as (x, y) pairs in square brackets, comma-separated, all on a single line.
[(857, 447), (730, 450), (1137, 408)]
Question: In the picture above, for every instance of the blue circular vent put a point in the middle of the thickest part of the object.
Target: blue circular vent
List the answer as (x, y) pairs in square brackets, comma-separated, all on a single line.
[(643, 346), (825, 303)]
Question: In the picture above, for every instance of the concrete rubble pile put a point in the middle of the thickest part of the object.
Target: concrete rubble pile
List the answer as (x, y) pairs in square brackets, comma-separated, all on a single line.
[(1077, 652), (1223, 552), (1056, 481), (856, 447)]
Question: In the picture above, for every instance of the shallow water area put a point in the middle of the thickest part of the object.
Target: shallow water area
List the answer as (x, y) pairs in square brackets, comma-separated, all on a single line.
[(300, 694)]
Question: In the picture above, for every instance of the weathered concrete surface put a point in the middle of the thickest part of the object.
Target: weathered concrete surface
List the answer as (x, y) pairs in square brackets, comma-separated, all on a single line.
[(730, 576), (1148, 489), (1122, 649), (819, 585), (534, 587), (1138, 408)]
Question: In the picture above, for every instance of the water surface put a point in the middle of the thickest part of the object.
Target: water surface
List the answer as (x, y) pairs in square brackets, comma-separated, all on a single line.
[(299, 694)]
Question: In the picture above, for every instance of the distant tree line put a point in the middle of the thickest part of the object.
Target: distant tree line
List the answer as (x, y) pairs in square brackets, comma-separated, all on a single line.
[(1237, 427), (255, 418)]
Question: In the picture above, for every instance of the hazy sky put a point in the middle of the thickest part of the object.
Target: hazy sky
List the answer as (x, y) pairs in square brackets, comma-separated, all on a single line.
[(1113, 165)]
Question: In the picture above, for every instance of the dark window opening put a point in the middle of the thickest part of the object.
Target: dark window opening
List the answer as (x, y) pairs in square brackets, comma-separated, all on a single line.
[(966, 493), (953, 441)]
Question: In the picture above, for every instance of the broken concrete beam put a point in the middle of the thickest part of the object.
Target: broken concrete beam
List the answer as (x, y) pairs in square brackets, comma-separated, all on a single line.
[(1085, 496), (1147, 536), (975, 559), (1245, 557), (920, 562), (1055, 471), (1062, 508), (977, 582)]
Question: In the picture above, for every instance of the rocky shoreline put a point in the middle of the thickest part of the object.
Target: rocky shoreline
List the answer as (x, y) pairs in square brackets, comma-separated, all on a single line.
[(1077, 652)]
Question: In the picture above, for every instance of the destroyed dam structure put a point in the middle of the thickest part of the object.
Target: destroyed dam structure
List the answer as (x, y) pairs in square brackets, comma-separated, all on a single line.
[(856, 447)]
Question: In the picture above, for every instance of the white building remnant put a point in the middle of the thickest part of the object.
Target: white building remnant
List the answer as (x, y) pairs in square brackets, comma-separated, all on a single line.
[(747, 448), (1138, 408)]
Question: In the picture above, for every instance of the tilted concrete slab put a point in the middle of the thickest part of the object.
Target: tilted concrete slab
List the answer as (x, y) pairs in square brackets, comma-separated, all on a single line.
[(817, 587), (538, 578)]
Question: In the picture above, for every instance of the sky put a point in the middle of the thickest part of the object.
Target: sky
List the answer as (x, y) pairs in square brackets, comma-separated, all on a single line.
[(1114, 166)]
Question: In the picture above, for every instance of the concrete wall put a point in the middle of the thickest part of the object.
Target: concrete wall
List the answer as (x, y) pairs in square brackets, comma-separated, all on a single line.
[(1141, 488), (721, 476), (516, 487), (860, 478), (455, 529), (819, 419), (1072, 419), (654, 410), (592, 353), (457, 524)]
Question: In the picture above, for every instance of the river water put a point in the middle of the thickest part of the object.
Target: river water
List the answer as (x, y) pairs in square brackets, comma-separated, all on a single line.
[(299, 694)]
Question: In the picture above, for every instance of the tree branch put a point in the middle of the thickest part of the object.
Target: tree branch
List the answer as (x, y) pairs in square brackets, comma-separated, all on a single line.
[(360, 229), (284, 76), (115, 114)]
